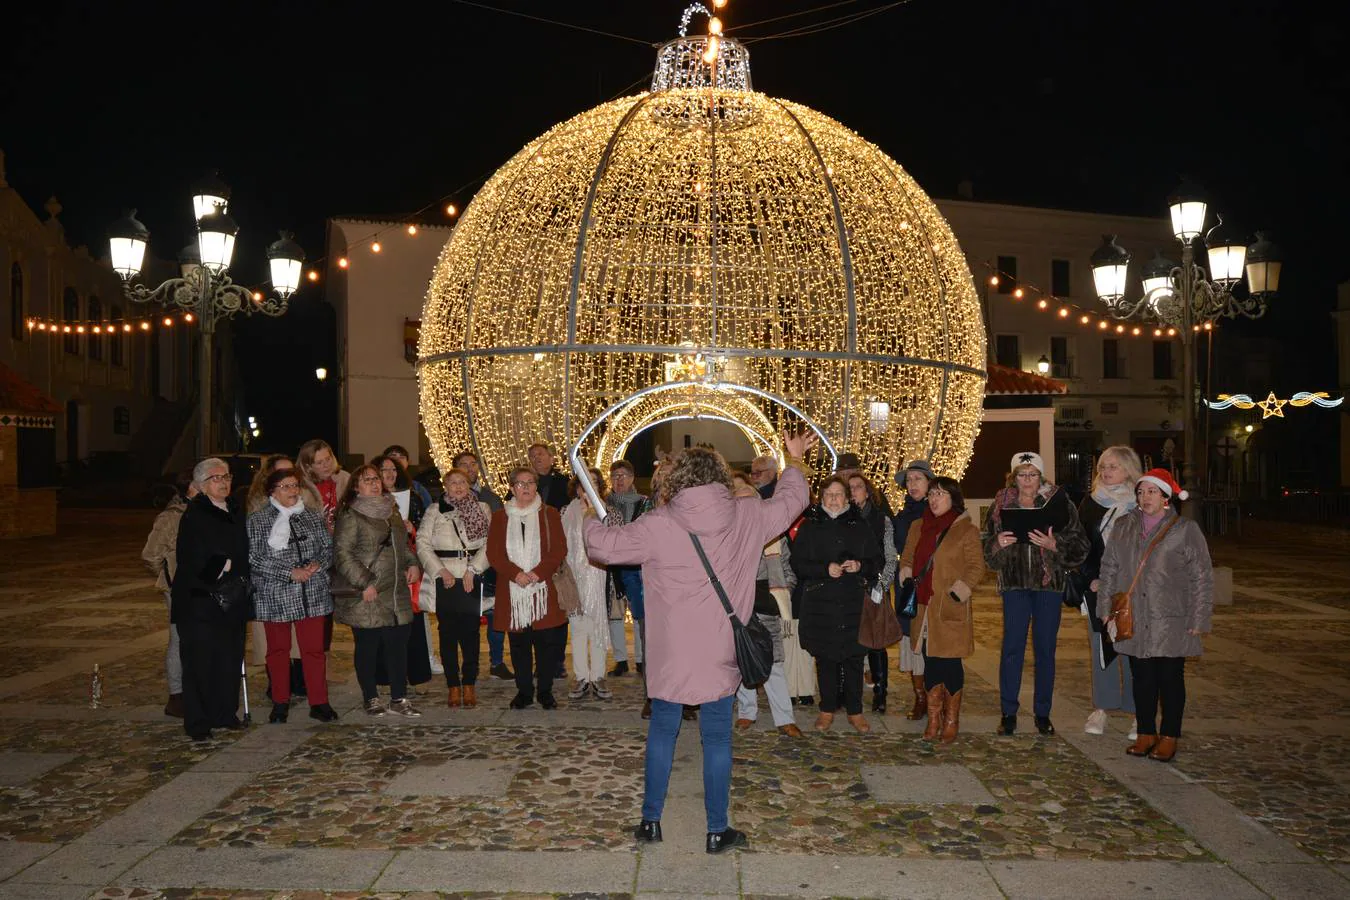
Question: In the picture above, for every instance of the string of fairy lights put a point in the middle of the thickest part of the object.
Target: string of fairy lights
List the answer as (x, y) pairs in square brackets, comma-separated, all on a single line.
[(1068, 311)]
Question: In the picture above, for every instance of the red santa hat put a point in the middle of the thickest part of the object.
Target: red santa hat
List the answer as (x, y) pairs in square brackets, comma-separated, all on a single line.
[(1165, 483)]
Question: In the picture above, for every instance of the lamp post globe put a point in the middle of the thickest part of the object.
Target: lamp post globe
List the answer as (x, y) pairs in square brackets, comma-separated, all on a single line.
[(1157, 274), (210, 194), (127, 239), (216, 232), (1263, 266), (286, 260), (1187, 206), (1043, 365), (1227, 254), (1110, 266)]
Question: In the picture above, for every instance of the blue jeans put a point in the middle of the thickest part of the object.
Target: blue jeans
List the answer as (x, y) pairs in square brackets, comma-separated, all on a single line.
[(496, 642), (1112, 687), (714, 726), (1040, 609), (631, 580)]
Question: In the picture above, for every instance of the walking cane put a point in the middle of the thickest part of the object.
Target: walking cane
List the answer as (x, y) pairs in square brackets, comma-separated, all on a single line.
[(243, 678)]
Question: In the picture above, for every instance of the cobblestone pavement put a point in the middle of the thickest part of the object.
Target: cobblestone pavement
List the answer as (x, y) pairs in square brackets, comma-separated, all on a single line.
[(1267, 739)]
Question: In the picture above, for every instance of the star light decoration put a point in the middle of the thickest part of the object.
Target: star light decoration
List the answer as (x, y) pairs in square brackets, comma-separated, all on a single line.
[(1274, 406), (702, 250)]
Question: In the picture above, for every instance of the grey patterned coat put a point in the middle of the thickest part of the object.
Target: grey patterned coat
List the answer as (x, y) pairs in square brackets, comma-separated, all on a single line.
[(372, 551), (277, 597), (1175, 593)]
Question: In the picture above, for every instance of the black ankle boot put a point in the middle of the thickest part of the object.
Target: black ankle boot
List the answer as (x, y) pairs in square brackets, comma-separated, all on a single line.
[(726, 840), (648, 832), (279, 713)]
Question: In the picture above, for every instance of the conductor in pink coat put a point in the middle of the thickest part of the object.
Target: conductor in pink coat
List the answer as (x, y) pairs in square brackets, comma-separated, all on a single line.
[(690, 655)]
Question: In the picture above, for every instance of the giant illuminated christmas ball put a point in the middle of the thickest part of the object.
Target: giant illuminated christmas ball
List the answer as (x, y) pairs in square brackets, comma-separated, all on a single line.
[(702, 249)]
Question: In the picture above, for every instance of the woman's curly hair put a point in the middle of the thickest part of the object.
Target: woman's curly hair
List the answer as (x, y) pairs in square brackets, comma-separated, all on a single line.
[(694, 467)]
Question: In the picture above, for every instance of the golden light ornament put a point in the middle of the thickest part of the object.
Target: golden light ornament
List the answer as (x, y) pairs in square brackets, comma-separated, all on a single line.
[(702, 250)]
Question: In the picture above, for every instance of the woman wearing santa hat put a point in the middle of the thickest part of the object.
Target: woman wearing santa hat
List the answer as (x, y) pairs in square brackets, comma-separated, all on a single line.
[(1162, 560), (1033, 566)]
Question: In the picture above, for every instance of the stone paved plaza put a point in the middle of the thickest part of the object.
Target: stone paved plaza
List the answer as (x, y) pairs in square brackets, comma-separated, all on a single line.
[(117, 802)]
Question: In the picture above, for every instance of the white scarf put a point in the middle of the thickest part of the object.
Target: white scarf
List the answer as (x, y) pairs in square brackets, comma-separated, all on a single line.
[(280, 535), (528, 604), (1117, 499)]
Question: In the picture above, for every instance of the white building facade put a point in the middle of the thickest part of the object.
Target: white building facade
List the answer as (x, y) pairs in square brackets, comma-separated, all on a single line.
[(1122, 387)]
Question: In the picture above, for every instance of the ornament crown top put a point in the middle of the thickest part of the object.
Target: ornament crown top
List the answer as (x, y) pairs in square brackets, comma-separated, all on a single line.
[(702, 61)]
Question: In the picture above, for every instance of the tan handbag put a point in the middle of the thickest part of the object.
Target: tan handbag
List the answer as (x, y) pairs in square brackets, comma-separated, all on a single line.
[(564, 582), (1122, 608)]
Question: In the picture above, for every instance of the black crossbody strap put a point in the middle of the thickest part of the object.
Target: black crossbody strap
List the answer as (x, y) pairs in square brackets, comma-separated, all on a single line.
[(712, 577)]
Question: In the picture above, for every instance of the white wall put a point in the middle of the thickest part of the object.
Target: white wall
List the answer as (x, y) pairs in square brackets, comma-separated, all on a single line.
[(373, 297)]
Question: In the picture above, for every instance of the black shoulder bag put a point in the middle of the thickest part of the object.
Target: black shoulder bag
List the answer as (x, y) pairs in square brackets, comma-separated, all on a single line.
[(907, 598), (754, 644)]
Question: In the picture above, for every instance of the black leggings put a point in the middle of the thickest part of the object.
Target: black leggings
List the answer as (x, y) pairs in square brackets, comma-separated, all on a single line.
[(943, 670), (1159, 678), (828, 676), (459, 638), (393, 640)]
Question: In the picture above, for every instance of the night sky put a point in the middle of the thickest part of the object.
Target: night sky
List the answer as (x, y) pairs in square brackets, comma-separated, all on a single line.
[(312, 110)]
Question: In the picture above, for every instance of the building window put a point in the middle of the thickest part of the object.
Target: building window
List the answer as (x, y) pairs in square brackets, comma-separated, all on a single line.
[(1113, 364), (116, 342), (1061, 366), (1162, 360), (121, 420), (17, 326), (1007, 274), (96, 319), (1059, 278), (1007, 352), (71, 313)]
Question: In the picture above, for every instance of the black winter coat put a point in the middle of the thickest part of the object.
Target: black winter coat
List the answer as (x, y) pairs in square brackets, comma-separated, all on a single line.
[(831, 608), (207, 537)]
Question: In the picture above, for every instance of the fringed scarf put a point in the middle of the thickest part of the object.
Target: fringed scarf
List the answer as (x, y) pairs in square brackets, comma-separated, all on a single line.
[(529, 604)]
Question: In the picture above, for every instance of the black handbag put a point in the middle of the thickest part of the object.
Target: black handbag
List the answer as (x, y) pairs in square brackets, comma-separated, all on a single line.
[(754, 644), (233, 594), (907, 597)]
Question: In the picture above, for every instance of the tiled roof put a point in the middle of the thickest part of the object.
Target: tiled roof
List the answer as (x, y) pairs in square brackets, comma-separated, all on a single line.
[(17, 395), (1007, 380)]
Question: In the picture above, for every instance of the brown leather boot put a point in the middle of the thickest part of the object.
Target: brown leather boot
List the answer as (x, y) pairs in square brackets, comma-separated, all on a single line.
[(951, 716), (859, 723), (920, 700), (455, 699), (1164, 750), (936, 696), (470, 696), (1143, 745), (824, 721)]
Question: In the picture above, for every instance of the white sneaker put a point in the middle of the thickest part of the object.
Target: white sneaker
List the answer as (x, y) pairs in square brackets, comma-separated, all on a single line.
[(437, 668), (576, 693), (1134, 730), (1096, 723), (601, 691)]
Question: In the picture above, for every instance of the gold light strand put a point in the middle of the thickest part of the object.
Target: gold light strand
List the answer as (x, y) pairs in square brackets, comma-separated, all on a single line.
[(1065, 308), (651, 275), (102, 327)]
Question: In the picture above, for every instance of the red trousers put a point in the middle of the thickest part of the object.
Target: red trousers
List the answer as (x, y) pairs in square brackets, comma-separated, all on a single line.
[(309, 636)]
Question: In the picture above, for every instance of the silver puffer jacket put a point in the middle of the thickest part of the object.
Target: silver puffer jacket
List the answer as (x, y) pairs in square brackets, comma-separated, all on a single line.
[(1175, 593)]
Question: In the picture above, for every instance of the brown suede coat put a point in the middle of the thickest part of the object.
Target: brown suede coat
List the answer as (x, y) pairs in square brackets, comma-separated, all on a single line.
[(552, 553), (958, 566)]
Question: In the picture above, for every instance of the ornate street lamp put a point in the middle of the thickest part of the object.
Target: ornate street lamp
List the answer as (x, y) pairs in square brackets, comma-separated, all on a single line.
[(204, 287), (1187, 297)]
